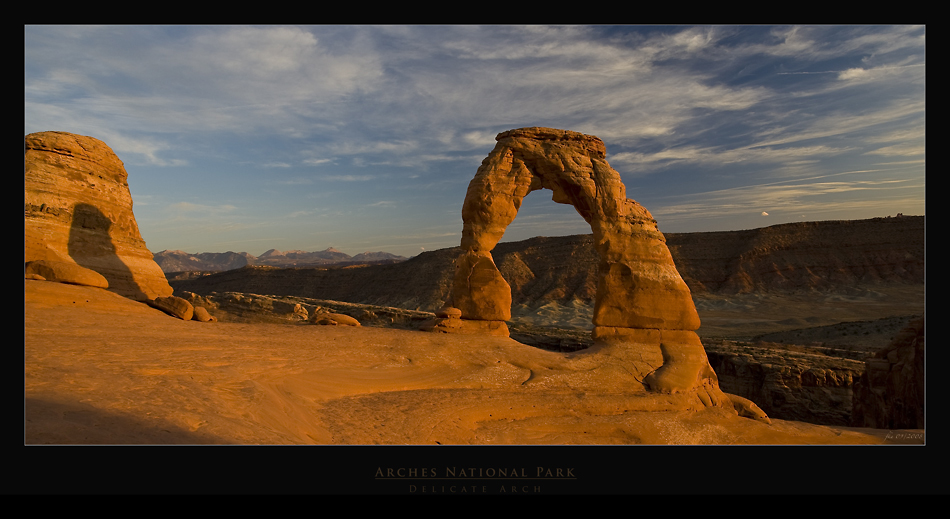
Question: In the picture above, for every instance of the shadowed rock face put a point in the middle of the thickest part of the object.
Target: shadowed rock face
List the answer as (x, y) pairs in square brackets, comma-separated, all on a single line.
[(643, 313), (78, 209), (782, 259), (890, 392)]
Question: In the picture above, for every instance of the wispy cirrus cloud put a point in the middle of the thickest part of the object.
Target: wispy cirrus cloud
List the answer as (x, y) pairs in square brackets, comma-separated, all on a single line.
[(645, 163), (808, 195), (265, 116), (347, 178), (191, 207)]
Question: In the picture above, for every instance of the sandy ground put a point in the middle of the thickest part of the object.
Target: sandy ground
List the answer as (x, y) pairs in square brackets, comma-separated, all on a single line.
[(102, 369)]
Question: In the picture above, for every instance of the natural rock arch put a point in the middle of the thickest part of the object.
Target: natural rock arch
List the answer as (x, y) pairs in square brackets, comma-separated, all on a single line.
[(643, 311)]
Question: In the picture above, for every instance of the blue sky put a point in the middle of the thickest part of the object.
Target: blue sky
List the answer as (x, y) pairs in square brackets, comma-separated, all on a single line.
[(364, 138)]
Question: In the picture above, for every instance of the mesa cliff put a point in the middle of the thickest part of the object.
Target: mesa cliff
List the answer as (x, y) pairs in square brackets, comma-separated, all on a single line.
[(795, 257), (802, 256)]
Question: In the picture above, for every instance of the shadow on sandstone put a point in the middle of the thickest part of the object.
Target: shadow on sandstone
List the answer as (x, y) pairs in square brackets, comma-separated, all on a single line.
[(90, 245), (49, 422)]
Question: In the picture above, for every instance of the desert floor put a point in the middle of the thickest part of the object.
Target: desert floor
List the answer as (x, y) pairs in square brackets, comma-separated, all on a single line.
[(100, 369)]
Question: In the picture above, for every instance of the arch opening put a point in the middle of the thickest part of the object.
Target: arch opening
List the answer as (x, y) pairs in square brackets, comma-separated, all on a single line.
[(552, 287), (539, 216)]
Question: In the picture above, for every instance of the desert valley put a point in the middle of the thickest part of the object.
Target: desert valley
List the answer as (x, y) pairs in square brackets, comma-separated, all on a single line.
[(809, 333)]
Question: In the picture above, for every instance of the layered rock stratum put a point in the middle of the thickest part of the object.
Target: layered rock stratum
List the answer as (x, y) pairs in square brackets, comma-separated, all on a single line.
[(804, 385), (78, 209), (563, 270), (890, 391), (802, 256)]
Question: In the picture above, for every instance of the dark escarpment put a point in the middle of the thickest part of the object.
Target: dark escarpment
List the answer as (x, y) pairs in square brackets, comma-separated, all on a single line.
[(797, 257), (802, 256)]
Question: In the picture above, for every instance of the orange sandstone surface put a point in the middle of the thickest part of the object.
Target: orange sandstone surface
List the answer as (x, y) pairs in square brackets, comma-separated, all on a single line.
[(100, 368)]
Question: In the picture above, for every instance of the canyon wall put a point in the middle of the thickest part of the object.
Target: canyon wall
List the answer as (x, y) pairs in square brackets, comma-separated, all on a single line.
[(890, 392), (788, 385), (797, 257), (802, 256)]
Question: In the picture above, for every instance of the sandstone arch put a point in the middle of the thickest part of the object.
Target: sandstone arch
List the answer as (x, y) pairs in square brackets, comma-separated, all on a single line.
[(643, 312)]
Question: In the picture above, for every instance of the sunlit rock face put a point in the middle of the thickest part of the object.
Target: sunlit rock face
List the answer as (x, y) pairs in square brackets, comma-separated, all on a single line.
[(643, 312), (78, 209), (638, 285)]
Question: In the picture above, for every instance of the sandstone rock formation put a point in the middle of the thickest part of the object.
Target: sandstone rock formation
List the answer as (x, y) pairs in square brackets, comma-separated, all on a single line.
[(64, 272), (202, 314), (802, 255), (333, 319), (805, 386), (300, 312), (256, 308), (643, 312), (890, 392), (174, 306), (747, 409), (78, 209)]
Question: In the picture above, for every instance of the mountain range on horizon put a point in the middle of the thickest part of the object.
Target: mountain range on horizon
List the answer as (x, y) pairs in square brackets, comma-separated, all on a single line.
[(181, 261), (173, 261), (806, 257)]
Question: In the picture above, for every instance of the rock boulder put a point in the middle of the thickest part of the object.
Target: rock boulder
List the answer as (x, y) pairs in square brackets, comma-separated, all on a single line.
[(333, 319), (65, 272), (174, 306), (201, 314)]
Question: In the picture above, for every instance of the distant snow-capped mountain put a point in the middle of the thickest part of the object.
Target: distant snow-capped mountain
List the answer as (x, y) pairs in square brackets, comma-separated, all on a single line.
[(180, 261)]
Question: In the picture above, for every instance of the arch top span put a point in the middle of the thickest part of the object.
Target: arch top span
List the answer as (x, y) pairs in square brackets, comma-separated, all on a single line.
[(570, 164), (591, 144)]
